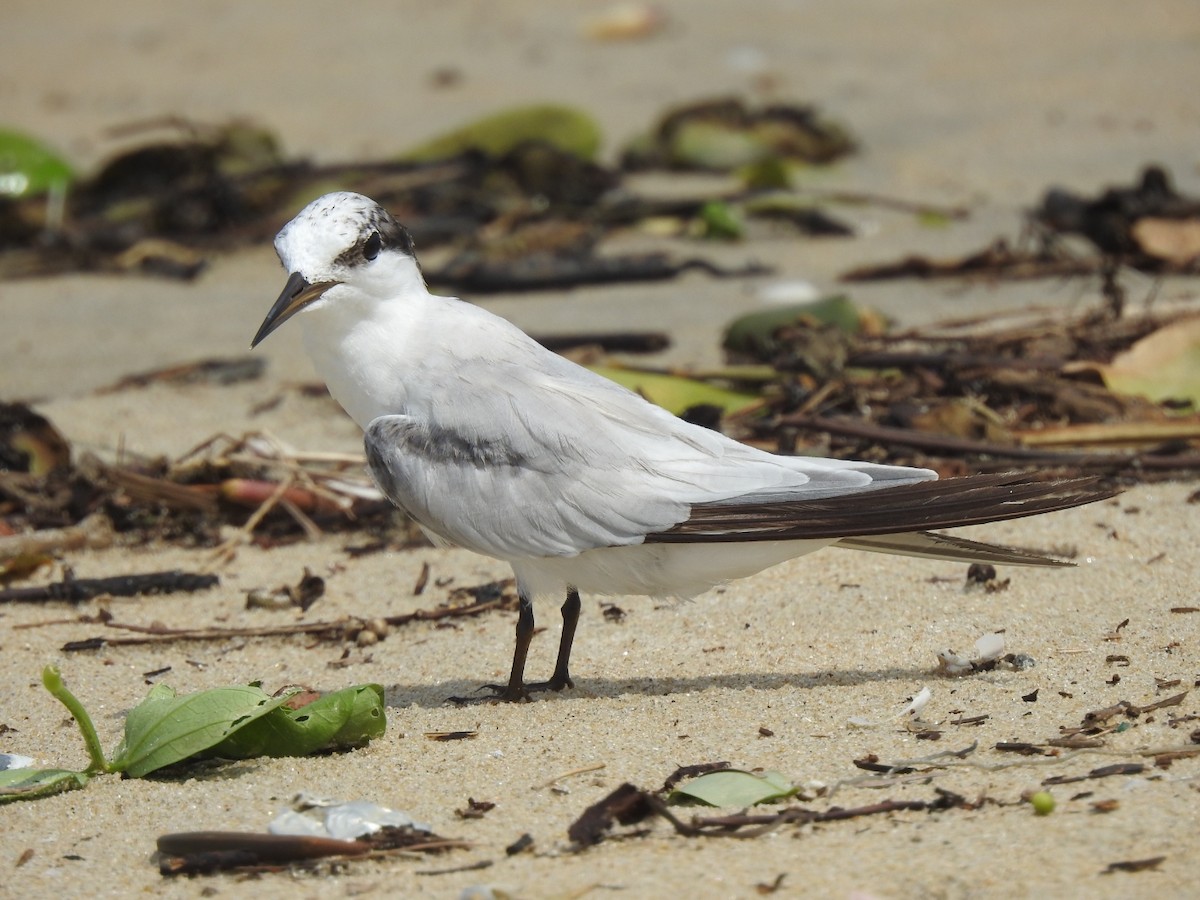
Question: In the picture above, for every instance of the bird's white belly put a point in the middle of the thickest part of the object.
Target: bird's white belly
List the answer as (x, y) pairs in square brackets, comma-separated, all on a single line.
[(656, 570)]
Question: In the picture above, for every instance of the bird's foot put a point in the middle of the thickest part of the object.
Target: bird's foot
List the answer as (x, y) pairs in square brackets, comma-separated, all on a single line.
[(516, 693)]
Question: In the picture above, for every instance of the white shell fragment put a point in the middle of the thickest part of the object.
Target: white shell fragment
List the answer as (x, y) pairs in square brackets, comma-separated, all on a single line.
[(990, 646), (344, 821), (918, 703), (989, 649)]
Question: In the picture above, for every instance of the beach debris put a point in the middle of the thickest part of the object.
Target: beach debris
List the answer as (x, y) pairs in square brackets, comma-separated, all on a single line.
[(451, 735), (564, 128), (476, 809), (1148, 226), (733, 787), (607, 341), (462, 603), (28, 168), (626, 805), (27, 783), (998, 260), (680, 392), (554, 783), (358, 828), (206, 852), (625, 21), (161, 207), (338, 819), (724, 134), (303, 594), (14, 761), (75, 589), (1134, 865), (1042, 802), (779, 336), (719, 221), (216, 371), (1163, 366), (30, 443), (523, 844), (990, 652), (984, 575), (693, 771), (765, 888), (1101, 772), (546, 271), (1147, 222), (238, 722)]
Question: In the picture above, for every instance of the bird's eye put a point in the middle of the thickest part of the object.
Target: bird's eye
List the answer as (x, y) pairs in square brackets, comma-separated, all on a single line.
[(373, 245)]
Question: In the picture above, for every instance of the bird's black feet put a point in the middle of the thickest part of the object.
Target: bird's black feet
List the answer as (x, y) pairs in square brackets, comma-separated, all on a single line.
[(517, 691)]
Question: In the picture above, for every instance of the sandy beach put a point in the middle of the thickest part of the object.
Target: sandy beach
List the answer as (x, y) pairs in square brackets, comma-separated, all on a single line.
[(802, 669)]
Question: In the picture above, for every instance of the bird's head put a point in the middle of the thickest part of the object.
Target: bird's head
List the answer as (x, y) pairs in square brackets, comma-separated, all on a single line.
[(341, 238)]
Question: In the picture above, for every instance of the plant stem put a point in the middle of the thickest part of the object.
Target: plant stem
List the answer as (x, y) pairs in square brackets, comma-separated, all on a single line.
[(52, 679)]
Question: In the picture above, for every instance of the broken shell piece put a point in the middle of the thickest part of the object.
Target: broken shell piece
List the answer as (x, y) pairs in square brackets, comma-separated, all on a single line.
[(950, 663), (359, 817), (989, 650), (918, 703), (291, 822), (990, 647), (344, 821)]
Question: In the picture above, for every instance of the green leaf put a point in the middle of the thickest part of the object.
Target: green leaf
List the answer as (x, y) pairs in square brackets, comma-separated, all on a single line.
[(719, 221), (342, 720), (165, 728), (28, 784), (754, 334), (733, 788), (677, 393), (563, 127), (28, 167)]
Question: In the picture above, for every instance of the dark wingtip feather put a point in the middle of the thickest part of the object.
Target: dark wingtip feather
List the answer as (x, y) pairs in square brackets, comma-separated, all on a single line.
[(949, 503)]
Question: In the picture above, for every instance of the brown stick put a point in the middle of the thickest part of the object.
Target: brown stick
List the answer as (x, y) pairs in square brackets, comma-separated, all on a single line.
[(949, 444)]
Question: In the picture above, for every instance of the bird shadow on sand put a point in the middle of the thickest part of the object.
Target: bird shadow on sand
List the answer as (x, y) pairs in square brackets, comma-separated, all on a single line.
[(431, 696)]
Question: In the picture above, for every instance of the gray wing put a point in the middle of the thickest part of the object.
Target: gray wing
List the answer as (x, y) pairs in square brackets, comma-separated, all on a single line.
[(496, 499), (548, 459)]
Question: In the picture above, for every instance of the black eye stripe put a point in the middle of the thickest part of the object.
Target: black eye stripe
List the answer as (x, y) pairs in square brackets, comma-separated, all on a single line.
[(381, 232)]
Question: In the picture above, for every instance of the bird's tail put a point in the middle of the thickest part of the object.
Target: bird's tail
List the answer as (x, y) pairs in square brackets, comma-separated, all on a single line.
[(927, 545)]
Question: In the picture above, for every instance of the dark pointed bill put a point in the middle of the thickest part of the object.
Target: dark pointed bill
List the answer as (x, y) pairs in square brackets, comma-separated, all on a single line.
[(297, 294)]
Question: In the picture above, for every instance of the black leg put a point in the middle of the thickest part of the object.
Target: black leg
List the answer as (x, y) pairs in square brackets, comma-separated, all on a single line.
[(570, 616), (517, 689), (516, 679)]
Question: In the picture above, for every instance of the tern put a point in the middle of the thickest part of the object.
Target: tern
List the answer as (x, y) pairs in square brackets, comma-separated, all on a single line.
[(491, 442)]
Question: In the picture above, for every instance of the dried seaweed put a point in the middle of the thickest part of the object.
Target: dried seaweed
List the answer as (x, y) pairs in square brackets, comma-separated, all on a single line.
[(960, 397)]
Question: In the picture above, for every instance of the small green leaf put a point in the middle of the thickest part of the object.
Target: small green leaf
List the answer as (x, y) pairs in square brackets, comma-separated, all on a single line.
[(165, 729), (28, 167), (28, 784), (754, 333), (719, 221), (733, 788), (569, 130), (933, 218), (677, 393), (342, 720)]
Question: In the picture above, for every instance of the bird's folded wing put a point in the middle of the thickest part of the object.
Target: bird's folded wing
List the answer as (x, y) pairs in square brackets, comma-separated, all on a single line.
[(529, 461)]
